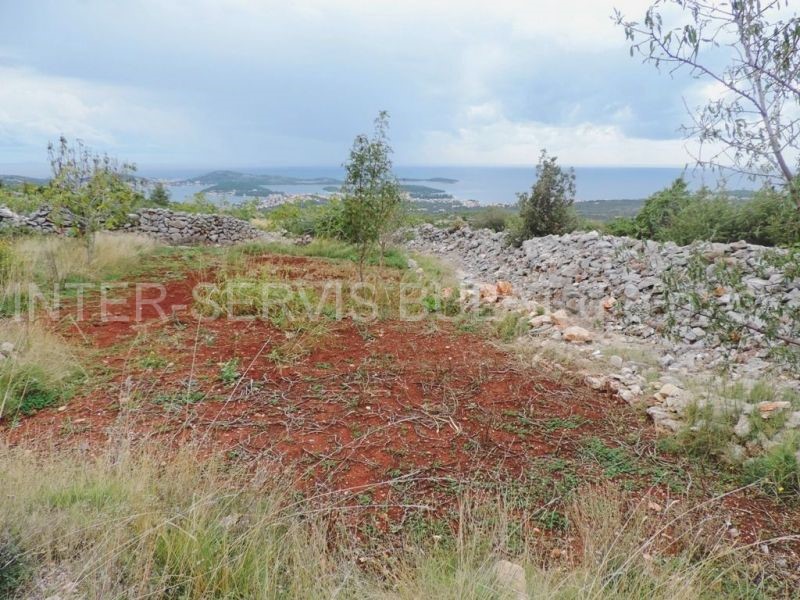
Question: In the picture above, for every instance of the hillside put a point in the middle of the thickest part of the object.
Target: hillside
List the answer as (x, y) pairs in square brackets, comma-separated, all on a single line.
[(368, 424)]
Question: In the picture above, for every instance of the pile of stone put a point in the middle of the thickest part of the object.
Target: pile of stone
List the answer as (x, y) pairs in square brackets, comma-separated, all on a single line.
[(597, 293), (614, 283), (166, 225)]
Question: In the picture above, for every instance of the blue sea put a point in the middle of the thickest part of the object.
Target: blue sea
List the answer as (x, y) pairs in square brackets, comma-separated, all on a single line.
[(487, 185)]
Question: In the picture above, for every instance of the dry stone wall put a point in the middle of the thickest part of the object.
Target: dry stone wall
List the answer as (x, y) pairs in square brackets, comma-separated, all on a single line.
[(166, 225)]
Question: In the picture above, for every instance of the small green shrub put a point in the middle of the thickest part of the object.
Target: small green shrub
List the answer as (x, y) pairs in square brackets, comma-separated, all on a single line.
[(229, 371), (511, 326), (547, 208), (778, 469), (676, 214), (494, 217), (14, 568)]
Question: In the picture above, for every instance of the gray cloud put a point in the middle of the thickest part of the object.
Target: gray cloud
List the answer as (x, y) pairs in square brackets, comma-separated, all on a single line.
[(261, 82)]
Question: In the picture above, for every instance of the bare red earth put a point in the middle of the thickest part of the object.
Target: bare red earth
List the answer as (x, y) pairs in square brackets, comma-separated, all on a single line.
[(373, 410)]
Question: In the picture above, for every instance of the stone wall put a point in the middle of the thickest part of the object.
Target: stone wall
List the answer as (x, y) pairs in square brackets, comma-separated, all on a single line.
[(166, 225), (613, 282), (185, 228)]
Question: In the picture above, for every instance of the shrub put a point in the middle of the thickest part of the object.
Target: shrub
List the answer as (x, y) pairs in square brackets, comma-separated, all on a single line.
[(678, 215), (494, 217), (769, 219), (13, 565), (95, 188), (547, 208), (159, 196), (621, 226)]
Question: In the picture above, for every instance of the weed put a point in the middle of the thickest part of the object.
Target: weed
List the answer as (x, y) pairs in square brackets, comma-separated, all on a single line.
[(40, 371), (511, 326), (229, 371), (571, 422), (778, 469), (14, 568), (179, 398), (614, 461), (153, 361)]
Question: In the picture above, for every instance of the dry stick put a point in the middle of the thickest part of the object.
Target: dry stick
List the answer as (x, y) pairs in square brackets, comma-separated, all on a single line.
[(669, 523)]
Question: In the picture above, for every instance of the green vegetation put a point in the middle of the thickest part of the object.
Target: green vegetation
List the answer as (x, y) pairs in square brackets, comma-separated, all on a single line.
[(547, 208), (159, 196), (705, 277), (328, 248), (678, 215), (31, 265), (708, 437), (371, 203), (752, 128), (37, 370), (496, 218), (130, 522), (94, 188), (41, 370)]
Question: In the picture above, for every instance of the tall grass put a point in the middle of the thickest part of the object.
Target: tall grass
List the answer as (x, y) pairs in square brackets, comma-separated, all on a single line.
[(40, 370), (135, 523), (327, 248), (55, 259)]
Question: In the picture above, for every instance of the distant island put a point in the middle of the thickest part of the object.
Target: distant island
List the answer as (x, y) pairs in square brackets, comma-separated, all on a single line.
[(247, 184), (430, 180)]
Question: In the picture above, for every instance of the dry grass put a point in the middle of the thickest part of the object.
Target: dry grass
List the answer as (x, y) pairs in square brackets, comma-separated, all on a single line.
[(55, 259), (39, 372), (128, 523)]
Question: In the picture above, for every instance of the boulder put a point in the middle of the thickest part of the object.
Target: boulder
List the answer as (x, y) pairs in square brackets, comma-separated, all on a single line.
[(577, 335)]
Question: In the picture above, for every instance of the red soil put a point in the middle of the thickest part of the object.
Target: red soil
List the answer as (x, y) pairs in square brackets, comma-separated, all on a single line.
[(391, 409)]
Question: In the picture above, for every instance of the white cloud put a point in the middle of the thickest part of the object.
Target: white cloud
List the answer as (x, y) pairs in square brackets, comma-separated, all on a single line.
[(36, 108), (499, 141)]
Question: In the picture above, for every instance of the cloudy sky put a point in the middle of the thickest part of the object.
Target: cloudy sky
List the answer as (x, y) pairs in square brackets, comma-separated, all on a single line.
[(214, 83)]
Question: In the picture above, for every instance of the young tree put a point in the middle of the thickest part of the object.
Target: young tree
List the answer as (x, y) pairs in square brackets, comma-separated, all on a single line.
[(547, 208), (371, 198), (95, 188), (753, 126), (159, 195)]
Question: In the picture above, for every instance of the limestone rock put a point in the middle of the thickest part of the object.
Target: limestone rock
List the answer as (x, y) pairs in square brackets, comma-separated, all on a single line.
[(560, 318), (488, 294), (577, 335), (769, 408), (510, 578), (743, 427), (504, 288), (540, 320)]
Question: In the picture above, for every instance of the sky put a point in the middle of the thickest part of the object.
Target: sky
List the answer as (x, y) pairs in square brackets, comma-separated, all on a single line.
[(224, 83)]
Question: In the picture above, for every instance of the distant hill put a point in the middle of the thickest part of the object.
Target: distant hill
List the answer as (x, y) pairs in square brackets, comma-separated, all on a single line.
[(14, 180), (248, 184)]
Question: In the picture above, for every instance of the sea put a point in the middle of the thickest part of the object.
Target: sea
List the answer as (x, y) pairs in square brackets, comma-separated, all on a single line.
[(486, 185)]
